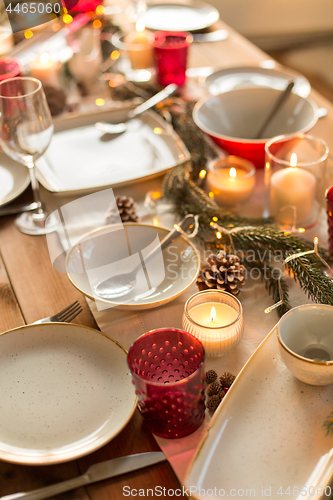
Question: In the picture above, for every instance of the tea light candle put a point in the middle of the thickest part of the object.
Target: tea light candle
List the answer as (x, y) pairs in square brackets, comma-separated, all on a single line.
[(216, 319), (231, 180), (140, 52), (293, 193), (45, 70)]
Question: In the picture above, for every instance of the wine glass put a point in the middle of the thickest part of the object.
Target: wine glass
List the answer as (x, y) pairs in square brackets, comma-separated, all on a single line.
[(26, 130)]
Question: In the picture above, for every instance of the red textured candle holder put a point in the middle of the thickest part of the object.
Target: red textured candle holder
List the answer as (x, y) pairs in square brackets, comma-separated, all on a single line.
[(329, 207), (170, 50), (167, 367)]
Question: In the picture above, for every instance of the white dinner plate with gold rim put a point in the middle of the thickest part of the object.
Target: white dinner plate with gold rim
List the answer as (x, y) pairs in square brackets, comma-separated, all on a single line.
[(65, 391), (180, 264), (266, 437), (188, 15), (14, 179), (81, 159)]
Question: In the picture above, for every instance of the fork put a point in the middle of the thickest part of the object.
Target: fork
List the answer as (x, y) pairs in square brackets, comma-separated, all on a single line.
[(64, 316)]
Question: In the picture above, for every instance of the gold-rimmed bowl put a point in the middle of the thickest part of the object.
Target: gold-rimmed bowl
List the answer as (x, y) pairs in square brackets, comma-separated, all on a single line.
[(305, 338), (117, 249)]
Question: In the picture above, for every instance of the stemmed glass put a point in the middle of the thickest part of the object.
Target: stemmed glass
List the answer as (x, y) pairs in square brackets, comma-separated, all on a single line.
[(26, 130)]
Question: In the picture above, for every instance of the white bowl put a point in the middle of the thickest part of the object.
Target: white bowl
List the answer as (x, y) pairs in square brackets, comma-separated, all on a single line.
[(305, 337), (233, 119)]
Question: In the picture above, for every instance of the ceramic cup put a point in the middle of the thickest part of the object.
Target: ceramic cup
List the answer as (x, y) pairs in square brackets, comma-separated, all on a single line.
[(305, 338)]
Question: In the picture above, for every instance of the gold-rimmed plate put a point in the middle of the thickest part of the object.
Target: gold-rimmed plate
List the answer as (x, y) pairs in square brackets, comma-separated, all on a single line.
[(266, 437), (65, 391), (115, 250)]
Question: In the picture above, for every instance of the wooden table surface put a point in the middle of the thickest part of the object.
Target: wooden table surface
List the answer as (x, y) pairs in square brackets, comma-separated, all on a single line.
[(31, 289)]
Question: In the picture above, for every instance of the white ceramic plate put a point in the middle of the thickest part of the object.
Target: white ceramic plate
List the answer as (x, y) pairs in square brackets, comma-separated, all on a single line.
[(92, 259), (65, 391), (224, 80), (14, 179), (266, 435), (80, 158), (189, 15)]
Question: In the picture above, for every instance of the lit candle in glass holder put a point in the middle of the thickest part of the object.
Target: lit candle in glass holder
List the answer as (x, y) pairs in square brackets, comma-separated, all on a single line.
[(295, 179), (216, 319), (140, 52), (292, 193), (231, 180), (45, 70)]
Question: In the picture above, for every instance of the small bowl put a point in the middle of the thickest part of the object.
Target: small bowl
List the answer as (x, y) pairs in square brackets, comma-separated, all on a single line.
[(233, 119), (305, 338)]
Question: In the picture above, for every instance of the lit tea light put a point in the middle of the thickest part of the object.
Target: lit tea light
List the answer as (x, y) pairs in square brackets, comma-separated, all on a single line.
[(292, 193), (216, 319), (140, 51), (45, 70), (231, 180)]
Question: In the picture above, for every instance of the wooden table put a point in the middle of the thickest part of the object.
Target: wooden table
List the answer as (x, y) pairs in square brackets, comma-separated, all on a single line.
[(31, 289)]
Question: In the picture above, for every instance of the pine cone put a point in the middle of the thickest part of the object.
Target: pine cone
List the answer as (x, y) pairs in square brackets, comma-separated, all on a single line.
[(213, 389), (126, 208), (227, 379), (213, 402), (56, 99), (222, 271), (211, 376)]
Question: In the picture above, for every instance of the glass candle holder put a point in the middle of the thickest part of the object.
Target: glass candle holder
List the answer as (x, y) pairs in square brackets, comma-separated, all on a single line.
[(170, 50), (137, 58), (231, 180), (216, 319), (329, 208), (167, 367), (295, 179)]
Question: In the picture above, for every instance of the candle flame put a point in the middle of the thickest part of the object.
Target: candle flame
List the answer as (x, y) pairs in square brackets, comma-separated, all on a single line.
[(140, 25), (232, 172), (293, 160), (44, 58), (213, 315)]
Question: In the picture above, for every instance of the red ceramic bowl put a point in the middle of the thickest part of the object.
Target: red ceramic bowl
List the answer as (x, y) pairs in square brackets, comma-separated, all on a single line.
[(233, 119)]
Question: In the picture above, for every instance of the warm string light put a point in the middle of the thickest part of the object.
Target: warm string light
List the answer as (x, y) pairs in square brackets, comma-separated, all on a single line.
[(222, 230)]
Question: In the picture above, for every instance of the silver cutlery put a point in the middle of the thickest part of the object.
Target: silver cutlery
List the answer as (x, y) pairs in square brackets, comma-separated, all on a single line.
[(97, 472), (65, 316), (18, 209), (118, 128), (122, 284), (280, 100), (212, 36)]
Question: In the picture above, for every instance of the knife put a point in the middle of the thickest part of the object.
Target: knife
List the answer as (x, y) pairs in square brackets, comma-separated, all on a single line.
[(97, 472)]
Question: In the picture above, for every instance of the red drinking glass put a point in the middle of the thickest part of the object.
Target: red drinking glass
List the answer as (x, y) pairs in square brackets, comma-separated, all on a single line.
[(171, 56), (329, 207), (167, 368), (9, 68)]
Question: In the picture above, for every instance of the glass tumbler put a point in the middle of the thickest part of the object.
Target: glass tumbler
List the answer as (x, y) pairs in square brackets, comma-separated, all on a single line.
[(167, 368), (170, 49)]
